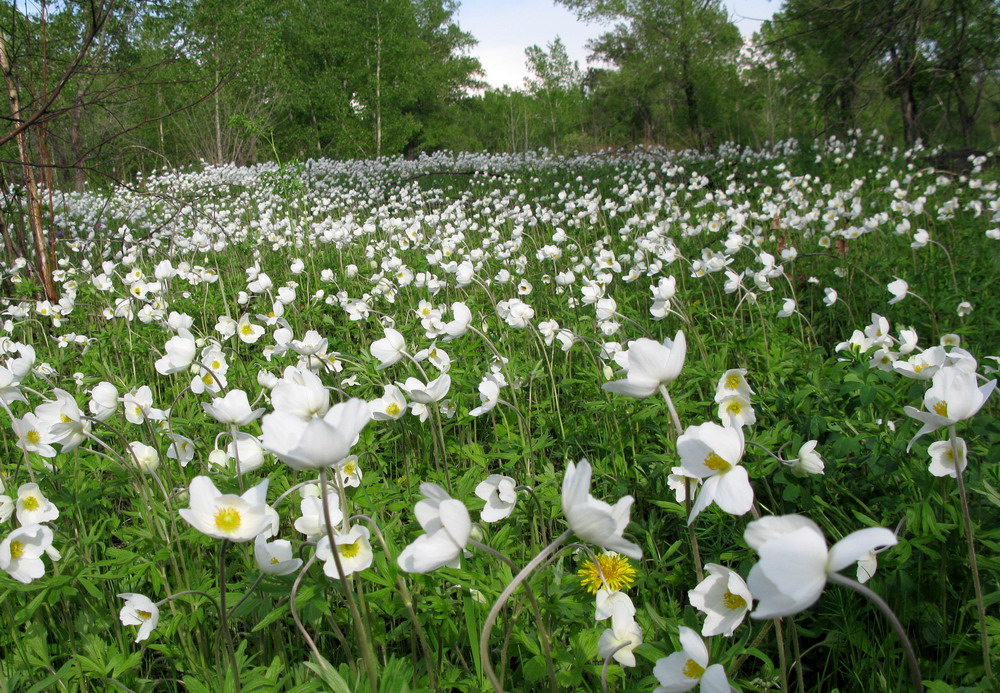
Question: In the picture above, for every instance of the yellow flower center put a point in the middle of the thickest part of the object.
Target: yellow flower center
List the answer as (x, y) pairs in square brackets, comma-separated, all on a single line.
[(65, 419), (216, 365), (138, 411), (941, 409), (349, 469), (950, 454), (350, 550), (692, 669), (919, 367), (732, 382), (16, 549), (227, 520), (734, 408), (617, 571), (733, 601), (392, 409), (247, 329), (274, 560), (33, 436), (208, 379), (30, 503), (144, 615), (716, 463)]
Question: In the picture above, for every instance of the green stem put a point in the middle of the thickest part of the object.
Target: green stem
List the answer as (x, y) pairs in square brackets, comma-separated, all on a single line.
[(973, 563)]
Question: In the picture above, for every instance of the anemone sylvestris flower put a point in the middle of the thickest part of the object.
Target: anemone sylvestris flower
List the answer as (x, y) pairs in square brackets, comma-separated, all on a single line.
[(447, 527), (227, 516), (684, 670), (139, 610), (650, 365), (712, 453), (723, 597), (952, 397), (593, 520), (318, 442), (795, 561)]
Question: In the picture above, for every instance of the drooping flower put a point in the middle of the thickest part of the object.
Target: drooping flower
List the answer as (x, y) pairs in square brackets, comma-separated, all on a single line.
[(807, 461), (318, 442), (391, 406), (683, 670), (489, 394), (592, 520), (795, 561), (233, 409), (498, 492), (139, 610), (952, 397), (143, 456), (422, 393), (447, 527), (620, 640), (180, 352), (733, 382), (649, 365), (390, 349), (898, 288), (724, 598), (274, 557), (227, 516)]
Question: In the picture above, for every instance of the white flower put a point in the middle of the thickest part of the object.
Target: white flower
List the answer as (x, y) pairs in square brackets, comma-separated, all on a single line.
[(139, 610), (649, 365), (683, 670), (233, 409), (274, 558), (952, 397), (32, 507), (712, 453), (21, 552), (391, 406), (621, 638), (354, 548), (808, 461), (489, 394), (592, 520), (898, 289), (144, 457), (247, 331), (421, 393), (724, 598), (227, 516), (447, 527), (943, 461), (829, 296), (498, 492), (318, 442), (794, 561), (787, 308), (389, 349), (964, 308)]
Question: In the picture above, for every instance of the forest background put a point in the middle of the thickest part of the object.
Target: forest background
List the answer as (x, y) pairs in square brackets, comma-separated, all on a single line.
[(119, 87)]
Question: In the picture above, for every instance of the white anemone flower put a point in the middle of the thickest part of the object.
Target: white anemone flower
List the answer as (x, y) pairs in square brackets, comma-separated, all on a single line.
[(21, 552), (724, 598), (684, 670), (952, 397), (500, 495), (447, 527), (650, 365), (139, 610), (318, 442), (795, 561), (233, 409), (227, 516), (354, 548), (592, 520), (943, 462), (712, 453), (274, 557), (390, 349), (32, 507)]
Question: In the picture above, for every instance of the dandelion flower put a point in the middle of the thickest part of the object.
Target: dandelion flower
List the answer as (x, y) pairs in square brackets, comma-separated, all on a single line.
[(617, 571)]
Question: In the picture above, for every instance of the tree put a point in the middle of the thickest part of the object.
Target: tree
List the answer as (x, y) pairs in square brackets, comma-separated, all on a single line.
[(675, 53), (556, 83)]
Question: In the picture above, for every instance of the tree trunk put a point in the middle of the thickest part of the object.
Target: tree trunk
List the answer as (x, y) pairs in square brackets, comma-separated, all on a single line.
[(42, 265)]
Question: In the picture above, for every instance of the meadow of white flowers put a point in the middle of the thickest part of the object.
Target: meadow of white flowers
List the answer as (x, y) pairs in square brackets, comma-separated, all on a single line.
[(427, 376)]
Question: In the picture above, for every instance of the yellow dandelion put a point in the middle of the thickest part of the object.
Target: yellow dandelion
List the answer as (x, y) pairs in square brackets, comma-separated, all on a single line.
[(617, 571)]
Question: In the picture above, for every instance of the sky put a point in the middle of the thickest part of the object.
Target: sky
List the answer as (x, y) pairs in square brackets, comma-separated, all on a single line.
[(505, 28)]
